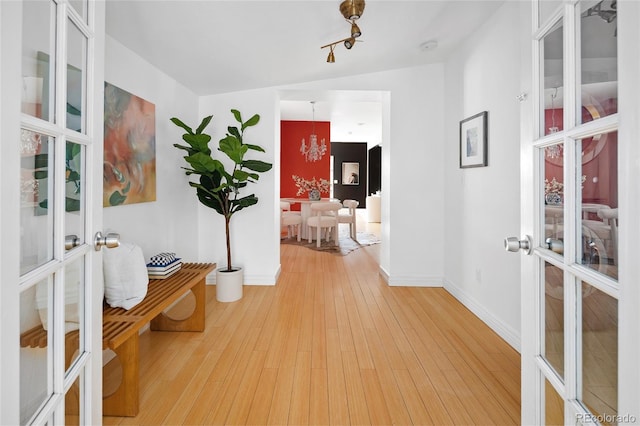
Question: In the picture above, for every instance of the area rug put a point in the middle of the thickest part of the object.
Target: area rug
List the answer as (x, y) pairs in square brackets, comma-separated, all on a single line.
[(346, 246)]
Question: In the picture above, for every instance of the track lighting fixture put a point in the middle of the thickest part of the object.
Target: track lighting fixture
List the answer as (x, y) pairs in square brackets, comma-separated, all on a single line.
[(351, 10), (355, 30), (348, 43), (331, 58)]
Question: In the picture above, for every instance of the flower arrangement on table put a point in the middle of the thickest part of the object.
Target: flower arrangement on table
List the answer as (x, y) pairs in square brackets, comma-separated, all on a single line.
[(554, 190), (314, 185)]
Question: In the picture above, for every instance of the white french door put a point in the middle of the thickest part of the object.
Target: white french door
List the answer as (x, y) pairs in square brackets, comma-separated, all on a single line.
[(52, 78), (579, 285)]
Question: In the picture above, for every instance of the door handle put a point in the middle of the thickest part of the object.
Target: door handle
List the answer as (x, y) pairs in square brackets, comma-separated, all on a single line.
[(111, 240), (554, 245), (514, 244), (71, 241)]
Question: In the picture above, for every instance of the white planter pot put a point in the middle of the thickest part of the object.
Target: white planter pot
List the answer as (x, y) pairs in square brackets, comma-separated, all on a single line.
[(229, 285)]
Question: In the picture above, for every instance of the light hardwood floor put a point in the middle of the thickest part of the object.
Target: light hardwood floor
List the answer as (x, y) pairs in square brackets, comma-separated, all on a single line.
[(330, 344)]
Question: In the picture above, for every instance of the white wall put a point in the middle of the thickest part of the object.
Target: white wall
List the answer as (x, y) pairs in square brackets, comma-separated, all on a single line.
[(482, 204), (170, 223), (412, 187)]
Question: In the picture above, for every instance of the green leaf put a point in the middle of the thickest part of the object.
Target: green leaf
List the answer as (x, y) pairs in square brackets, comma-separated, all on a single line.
[(116, 199), (38, 161), (241, 175), (254, 147), (40, 174), (202, 163), (127, 188), (234, 132), (251, 122), (73, 176), (257, 165), (179, 123), (198, 142), (237, 115), (233, 148), (71, 204), (204, 124)]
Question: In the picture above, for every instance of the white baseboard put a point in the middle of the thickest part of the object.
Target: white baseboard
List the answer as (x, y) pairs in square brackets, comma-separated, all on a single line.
[(511, 336), (411, 280)]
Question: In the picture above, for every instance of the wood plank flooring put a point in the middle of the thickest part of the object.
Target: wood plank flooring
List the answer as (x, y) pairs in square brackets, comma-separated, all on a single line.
[(330, 344)]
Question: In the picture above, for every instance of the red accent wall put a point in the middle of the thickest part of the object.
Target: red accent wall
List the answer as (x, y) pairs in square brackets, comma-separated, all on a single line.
[(292, 161), (604, 165)]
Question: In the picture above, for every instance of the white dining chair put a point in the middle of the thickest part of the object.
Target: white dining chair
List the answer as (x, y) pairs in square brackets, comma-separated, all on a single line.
[(324, 215), (349, 216), (291, 221)]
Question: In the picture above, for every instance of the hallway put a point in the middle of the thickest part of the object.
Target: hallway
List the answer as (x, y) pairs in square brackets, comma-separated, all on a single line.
[(331, 343)]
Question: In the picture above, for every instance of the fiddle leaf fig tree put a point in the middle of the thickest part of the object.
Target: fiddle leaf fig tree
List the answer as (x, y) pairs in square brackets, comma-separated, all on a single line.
[(218, 187)]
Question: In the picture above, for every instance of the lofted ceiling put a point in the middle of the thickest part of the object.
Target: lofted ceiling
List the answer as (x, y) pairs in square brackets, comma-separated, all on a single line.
[(213, 46)]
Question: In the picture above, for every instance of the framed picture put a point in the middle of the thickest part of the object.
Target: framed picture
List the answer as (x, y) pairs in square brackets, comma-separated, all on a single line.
[(473, 141), (350, 173)]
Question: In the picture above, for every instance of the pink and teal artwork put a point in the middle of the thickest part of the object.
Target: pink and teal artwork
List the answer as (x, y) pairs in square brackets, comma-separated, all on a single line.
[(129, 148)]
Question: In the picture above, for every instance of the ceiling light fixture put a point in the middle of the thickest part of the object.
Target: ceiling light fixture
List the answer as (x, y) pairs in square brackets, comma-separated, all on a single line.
[(331, 58), (314, 151), (351, 10), (355, 30)]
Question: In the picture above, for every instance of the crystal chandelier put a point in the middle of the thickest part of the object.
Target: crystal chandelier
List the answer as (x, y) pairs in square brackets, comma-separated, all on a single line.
[(314, 151), (553, 151)]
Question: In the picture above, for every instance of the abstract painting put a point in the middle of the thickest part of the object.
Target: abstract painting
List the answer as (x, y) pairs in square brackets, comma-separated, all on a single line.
[(129, 169)]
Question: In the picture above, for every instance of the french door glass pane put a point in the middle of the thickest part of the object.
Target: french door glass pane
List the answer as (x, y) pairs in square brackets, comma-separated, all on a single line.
[(554, 317), (599, 201), (599, 60), (74, 191), (73, 294), (553, 191), (553, 406), (34, 368), (36, 219), (76, 79), (38, 64), (599, 352), (552, 83)]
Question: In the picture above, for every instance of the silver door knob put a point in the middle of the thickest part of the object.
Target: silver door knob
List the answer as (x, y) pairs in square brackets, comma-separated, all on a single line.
[(554, 245), (515, 244), (71, 241), (111, 240)]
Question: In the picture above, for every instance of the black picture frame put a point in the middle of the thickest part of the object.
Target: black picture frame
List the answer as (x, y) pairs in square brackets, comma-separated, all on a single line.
[(474, 141)]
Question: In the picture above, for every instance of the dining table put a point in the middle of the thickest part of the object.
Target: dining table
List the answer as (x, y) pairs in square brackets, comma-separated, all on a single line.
[(305, 210)]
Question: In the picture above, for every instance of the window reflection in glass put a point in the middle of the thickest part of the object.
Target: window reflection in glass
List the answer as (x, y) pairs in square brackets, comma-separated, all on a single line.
[(34, 350), (38, 67), (599, 59), (599, 352), (36, 219), (74, 190), (554, 317), (76, 76), (553, 191), (599, 202), (73, 294), (552, 85)]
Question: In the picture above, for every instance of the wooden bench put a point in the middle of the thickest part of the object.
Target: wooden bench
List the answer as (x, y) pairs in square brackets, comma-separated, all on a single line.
[(121, 328)]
